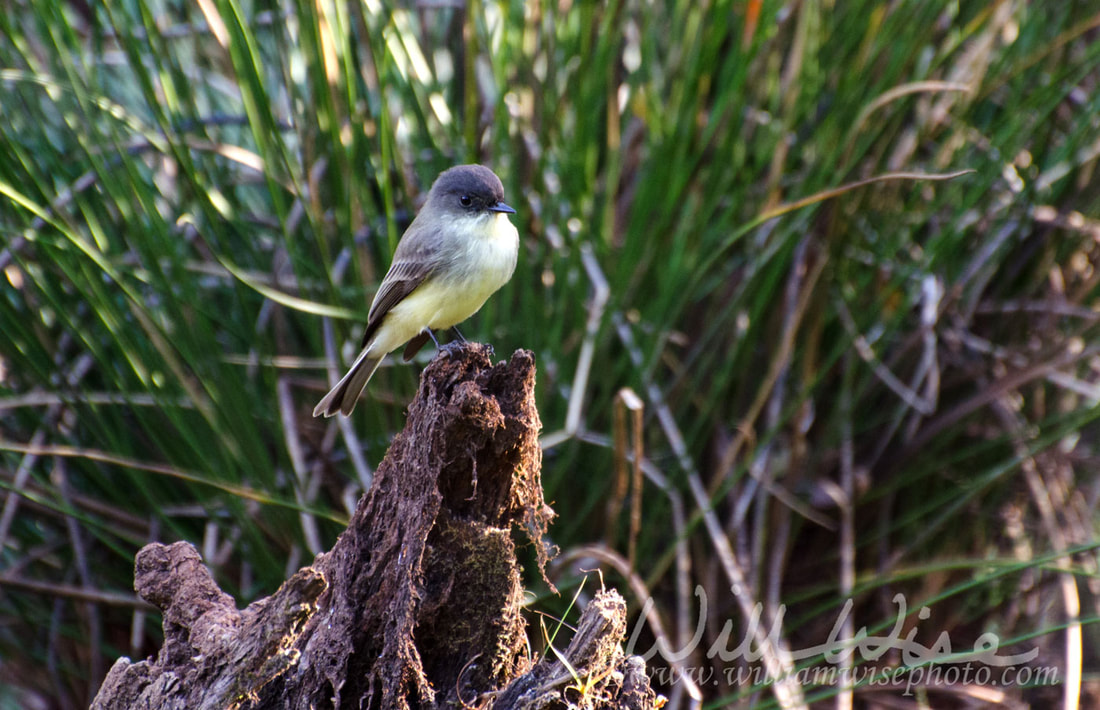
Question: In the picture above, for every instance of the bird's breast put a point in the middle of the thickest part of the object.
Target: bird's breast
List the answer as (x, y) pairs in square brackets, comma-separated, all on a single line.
[(486, 253), (482, 258)]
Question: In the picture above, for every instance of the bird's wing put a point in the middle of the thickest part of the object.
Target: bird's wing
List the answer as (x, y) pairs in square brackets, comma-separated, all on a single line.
[(405, 274)]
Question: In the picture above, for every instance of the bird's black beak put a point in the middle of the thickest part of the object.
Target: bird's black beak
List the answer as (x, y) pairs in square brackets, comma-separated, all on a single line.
[(501, 207)]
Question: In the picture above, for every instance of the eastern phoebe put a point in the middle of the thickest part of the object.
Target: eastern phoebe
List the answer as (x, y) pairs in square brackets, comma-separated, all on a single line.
[(458, 251)]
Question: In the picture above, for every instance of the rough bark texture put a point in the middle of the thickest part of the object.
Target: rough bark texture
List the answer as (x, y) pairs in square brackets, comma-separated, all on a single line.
[(599, 675), (418, 603)]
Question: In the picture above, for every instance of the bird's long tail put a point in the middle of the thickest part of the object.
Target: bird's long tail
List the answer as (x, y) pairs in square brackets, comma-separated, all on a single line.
[(345, 394)]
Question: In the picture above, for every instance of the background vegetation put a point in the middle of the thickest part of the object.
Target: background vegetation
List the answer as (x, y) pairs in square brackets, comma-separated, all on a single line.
[(845, 379)]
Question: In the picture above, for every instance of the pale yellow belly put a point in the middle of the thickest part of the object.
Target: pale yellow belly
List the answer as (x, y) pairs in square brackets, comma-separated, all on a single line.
[(438, 305), (441, 302)]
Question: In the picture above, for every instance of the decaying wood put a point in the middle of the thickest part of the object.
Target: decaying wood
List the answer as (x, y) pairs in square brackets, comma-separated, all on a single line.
[(593, 672), (418, 604)]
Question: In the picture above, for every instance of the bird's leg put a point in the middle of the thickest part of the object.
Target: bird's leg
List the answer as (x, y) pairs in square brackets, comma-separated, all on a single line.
[(462, 340), (445, 350)]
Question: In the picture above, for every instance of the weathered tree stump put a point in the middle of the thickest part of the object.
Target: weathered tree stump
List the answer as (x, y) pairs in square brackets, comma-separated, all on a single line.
[(418, 603)]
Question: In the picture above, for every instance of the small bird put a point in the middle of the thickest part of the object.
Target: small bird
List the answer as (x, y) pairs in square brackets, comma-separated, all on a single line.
[(459, 250)]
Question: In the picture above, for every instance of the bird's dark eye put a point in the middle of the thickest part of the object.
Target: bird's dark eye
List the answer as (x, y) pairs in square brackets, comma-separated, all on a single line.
[(465, 200)]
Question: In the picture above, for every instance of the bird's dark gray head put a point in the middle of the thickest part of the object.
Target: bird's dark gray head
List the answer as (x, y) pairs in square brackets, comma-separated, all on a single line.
[(469, 189)]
